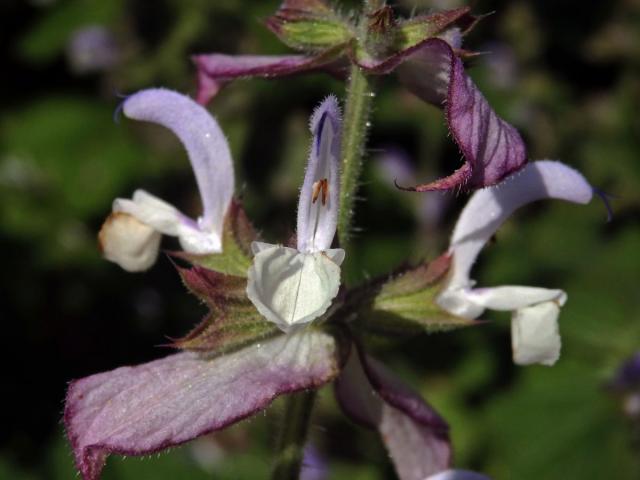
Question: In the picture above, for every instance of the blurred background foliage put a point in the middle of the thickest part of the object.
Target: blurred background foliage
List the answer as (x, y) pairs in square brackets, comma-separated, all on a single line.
[(564, 72)]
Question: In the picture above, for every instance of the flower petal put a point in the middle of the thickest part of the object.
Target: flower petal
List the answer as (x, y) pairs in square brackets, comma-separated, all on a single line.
[(291, 288), (493, 149), (204, 141), (414, 434), (167, 219), (128, 242), (215, 70), (489, 208), (457, 475), (534, 334), (319, 196), (143, 409)]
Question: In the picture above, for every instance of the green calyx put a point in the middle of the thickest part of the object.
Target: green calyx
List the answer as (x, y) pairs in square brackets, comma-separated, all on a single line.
[(232, 321), (237, 235), (310, 26), (406, 304)]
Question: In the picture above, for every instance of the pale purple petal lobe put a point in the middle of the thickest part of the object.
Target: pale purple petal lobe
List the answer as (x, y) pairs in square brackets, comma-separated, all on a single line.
[(150, 407), (489, 208), (458, 475), (414, 434), (320, 193), (204, 141), (493, 149)]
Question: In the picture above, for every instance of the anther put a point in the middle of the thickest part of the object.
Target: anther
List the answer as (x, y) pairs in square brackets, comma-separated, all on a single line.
[(321, 186)]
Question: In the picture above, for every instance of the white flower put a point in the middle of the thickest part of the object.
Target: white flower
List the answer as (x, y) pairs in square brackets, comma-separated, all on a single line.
[(208, 151), (293, 286), (534, 321)]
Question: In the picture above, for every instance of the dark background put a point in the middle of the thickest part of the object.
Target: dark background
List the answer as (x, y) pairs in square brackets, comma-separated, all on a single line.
[(565, 73)]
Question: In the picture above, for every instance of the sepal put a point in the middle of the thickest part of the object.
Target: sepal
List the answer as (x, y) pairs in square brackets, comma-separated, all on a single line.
[(415, 30), (309, 26), (406, 304), (232, 322), (235, 258)]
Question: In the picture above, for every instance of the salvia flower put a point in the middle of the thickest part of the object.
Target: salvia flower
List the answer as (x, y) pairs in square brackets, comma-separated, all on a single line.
[(130, 237), (293, 286), (534, 325), (425, 53)]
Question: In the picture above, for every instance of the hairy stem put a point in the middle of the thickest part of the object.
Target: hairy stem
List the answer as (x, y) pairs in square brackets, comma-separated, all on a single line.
[(356, 123), (293, 434)]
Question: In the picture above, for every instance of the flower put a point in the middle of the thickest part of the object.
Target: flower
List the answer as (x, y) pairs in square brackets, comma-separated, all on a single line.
[(293, 286), (426, 60), (237, 361), (534, 325), (130, 237)]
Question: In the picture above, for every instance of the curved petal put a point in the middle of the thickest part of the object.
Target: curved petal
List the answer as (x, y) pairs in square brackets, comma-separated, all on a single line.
[(319, 196), (204, 141), (457, 475), (493, 149), (414, 434), (509, 298), (128, 242), (489, 208), (470, 303), (151, 210), (167, 219), (534, 334), (143, 409), (291, 288)]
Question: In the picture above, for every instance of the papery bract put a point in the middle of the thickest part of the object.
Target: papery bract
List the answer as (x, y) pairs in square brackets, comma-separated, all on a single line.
[(414, 434), (143, 409), (535, 310)]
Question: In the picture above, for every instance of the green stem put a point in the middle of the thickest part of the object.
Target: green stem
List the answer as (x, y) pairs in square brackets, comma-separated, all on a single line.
[(356, 123), (293, 434)]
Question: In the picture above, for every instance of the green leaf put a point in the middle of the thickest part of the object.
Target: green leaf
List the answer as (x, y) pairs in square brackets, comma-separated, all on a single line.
[(232, 323), (406, 304)]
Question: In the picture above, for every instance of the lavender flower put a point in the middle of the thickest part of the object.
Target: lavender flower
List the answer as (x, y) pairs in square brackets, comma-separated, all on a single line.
[(292, 287), (130, 237), (534, 325)]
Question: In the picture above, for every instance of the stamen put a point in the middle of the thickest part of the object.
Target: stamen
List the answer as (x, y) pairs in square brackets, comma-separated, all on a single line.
[(317, 188)]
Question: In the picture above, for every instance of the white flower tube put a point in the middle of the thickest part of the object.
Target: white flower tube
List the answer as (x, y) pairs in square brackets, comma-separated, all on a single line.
[(293, 286), (535, 336), (211, 161)]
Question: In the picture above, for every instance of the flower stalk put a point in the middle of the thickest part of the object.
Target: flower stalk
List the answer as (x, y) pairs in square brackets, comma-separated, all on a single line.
[(355, 125), (293, 434), (298, 409)]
